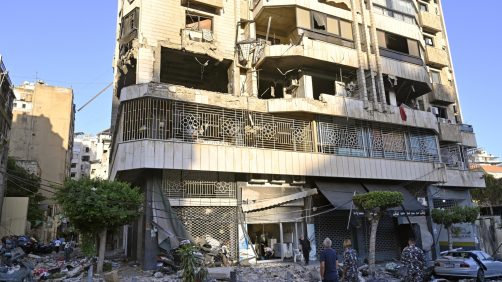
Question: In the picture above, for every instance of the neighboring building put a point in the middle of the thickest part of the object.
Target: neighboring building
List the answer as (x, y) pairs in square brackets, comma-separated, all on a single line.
[(99, 166), (42, 136), (83, 152), (479, 157), (263, 120), (6, 102), (90, 155)]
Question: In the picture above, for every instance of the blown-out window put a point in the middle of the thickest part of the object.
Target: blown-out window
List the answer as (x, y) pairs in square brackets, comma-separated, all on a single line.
[(198, 22)]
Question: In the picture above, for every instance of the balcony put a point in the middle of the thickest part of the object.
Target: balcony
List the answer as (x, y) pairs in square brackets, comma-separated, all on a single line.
[(468, 136), (436, 57), (430, 22), (464, 178), (312, 50), (457, 133), (449, 132), (170, 134), (442, 94)]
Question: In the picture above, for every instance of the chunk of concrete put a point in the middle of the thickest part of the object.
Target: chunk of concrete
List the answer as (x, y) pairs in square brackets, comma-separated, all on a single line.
[(219, 273), (111, 276)]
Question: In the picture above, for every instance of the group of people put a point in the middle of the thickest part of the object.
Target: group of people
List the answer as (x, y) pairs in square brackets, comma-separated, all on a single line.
[(67, 246), (412, 258)]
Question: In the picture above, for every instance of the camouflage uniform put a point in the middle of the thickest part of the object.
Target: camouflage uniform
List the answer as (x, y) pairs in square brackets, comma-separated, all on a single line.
[(350, 265), (414, 260)]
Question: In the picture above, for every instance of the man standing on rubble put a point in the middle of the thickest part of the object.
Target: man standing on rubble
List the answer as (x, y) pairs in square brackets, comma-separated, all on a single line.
[(414, 260), (305, 243), (57, 245)]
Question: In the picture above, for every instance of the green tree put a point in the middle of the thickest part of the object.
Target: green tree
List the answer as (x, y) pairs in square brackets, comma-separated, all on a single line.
[(491, 195), (449, 217), (21, 183), (95, 205), (374, 204)]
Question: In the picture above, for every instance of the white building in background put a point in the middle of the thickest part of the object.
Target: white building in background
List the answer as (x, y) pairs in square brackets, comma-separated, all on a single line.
[(90, 155), (481, 157), (99, 166)]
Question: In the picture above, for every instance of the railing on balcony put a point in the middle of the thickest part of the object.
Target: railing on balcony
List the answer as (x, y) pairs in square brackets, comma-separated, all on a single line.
[(370, 140), (454, 156), (162, 119), (153, 118), (176, 185)]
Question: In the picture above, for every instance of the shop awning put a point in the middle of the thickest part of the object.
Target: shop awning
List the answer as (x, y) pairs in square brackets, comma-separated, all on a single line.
[(270, 203), (340, 194), (410, 203)]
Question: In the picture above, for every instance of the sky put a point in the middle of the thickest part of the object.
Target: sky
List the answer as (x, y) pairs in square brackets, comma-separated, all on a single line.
[(71, 44)]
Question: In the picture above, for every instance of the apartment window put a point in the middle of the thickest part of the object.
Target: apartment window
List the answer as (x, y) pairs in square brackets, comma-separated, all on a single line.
[(15, 104), (198, 22), (396, 43), (129, 27), (435, 77), (85, 158), (87, 149), (72, 174), (428, 41), (319, 21), (443, 112), (424, 7), (24, 106), (73, 165)]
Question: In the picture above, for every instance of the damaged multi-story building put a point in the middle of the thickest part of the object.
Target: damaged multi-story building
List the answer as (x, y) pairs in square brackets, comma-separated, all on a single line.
[(254, 122)]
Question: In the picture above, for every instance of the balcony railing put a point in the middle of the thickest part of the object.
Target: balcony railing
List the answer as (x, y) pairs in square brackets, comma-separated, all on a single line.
[(454, 156), (153, 118)]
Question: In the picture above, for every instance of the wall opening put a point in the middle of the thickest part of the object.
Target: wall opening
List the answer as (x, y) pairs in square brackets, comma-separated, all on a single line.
[(194, 70)]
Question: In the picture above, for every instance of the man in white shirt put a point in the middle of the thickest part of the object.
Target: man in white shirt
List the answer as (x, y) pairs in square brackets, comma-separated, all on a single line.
[(57, 244)]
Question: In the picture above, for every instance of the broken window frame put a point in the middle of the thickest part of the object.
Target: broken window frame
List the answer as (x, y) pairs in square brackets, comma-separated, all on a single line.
[(346, 39), (191, 15), (383, 44), (129, 26)]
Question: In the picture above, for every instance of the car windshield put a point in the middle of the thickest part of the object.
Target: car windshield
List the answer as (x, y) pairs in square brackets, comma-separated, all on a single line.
[(458, 254), (484, 256)]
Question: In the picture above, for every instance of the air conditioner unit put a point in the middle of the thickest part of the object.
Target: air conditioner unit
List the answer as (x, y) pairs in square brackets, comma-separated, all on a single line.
[(195, 35), (434, 110)]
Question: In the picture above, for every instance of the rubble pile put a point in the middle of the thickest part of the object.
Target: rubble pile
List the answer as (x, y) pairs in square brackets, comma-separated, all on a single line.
[(277, 272), (52, 267)]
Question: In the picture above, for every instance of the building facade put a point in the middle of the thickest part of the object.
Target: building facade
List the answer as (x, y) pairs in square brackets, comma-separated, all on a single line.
[(257, 121), (6, 102), (90, 155), (42, 137)]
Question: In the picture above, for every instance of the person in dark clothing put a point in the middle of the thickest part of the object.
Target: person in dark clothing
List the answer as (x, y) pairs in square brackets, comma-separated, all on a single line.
[(329, 263), (305, 243), (413, 259)]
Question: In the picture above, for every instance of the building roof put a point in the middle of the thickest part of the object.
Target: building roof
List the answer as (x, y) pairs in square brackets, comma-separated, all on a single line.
[(492, 168)]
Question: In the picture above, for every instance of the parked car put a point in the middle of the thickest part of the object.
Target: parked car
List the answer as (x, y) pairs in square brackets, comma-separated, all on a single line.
[(467, 264)]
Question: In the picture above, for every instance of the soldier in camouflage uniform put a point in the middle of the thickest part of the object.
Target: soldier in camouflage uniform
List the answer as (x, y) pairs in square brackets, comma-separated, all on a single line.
[(414, 260), (350, 273)]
